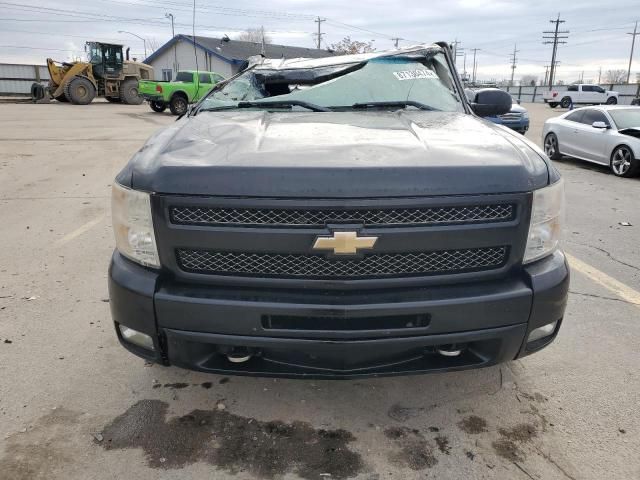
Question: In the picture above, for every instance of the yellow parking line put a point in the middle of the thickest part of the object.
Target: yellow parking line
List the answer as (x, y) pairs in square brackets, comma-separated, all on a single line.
[(79, 231), (618, 288)]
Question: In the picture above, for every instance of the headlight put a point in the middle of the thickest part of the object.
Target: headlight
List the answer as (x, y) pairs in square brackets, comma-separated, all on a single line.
[(133, 225), (525, 115), (546, 222)]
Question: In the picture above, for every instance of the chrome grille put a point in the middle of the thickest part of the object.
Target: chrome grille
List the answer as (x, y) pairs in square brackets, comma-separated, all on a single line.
[(318, 266), (511, 117), (186, 215)]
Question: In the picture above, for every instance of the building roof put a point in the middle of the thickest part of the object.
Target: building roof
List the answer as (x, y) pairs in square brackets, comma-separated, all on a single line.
[(236, 51)]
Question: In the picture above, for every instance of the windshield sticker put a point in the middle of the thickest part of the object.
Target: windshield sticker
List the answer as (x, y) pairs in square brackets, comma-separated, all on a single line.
[(415, 74)]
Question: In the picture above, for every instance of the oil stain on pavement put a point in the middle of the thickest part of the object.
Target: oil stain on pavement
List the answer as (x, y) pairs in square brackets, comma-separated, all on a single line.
[(473, 425), (507, 446), (415, 452), (232, 442)]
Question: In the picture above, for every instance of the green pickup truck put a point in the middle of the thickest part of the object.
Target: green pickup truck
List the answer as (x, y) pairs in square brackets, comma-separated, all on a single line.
[(188, 87)]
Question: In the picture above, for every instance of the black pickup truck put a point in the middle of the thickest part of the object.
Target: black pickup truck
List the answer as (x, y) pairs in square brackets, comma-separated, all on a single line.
[(339, 217)]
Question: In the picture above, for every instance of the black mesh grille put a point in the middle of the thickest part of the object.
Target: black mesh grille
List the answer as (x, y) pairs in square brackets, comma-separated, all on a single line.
[(317, 266), (318, 218)]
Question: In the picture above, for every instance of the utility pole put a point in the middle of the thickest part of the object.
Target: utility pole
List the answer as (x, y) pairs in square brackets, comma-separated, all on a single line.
[(173, 35), (600, 75), (457, 51), (263, 51), (633, 44), (396, 40), (475, 64), (514, 61), (319, 22), (464, 67), (557, 39), (546, 74)]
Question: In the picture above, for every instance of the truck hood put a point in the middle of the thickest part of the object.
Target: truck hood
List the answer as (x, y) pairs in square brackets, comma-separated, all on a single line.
[(335, 155)]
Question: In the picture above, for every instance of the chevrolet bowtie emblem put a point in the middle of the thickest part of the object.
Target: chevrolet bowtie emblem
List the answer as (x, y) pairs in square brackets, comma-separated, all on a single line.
[(344, 243)]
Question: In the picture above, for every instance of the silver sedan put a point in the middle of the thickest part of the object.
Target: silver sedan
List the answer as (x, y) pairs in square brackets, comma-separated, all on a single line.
[(608, 135)]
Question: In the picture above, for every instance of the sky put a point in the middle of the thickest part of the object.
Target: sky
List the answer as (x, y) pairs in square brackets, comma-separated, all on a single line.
[(598, 39)]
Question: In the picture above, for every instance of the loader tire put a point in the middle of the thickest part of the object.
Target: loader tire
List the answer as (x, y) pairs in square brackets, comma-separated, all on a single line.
[(129, 92), (80, 91)]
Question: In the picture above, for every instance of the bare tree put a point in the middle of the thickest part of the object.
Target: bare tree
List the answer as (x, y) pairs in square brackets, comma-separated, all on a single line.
[(346, 46), (153, 44), (528, 80), (254, 35), (615, 76)]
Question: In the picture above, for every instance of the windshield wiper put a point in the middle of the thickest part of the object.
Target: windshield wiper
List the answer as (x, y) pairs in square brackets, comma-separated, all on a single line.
[(284, 103), (399, 104), (273, 103)]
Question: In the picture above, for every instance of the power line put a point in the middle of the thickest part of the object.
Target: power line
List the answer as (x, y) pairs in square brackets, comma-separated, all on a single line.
[(558, 38), (633, 44)]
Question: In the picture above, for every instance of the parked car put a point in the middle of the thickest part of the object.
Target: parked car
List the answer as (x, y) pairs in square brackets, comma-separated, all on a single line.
[(188, 87), (516, 119), (606, 135), (580, 94), (296, 224)]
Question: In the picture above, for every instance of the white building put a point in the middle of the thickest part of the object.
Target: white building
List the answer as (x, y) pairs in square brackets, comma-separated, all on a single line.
[(220, 55)]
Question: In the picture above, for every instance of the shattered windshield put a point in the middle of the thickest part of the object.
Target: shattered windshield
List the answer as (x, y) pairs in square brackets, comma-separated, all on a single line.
[(410, 80)]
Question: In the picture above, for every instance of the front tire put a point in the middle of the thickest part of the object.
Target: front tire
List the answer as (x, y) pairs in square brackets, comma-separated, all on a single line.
[(158, 106), (565, 102), (553, 104), (552, 147), (178, 105), (80, 91), (612, 101), (623, 163)]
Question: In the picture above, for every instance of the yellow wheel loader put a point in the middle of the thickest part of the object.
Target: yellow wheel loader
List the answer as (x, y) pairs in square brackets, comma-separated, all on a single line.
[(105, 74)]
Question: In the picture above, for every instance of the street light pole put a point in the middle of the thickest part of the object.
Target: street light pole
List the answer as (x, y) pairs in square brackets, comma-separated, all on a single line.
[(173, 35), (138, 36)]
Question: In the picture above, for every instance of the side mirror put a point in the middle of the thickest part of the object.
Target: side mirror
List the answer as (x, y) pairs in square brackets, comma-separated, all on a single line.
[(600, 125), (489, 102)]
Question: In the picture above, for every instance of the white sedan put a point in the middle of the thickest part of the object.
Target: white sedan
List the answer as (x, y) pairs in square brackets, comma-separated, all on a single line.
[(607, 134)]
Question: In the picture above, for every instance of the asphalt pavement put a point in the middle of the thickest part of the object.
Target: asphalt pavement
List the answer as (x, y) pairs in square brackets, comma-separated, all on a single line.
[(75, 405)]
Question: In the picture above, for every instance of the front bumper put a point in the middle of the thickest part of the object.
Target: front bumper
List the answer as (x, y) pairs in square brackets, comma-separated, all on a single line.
[(196, 326), (521, 126)]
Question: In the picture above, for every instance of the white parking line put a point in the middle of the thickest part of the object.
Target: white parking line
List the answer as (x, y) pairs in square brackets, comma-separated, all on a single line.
[(79, 231), (616, 287)]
